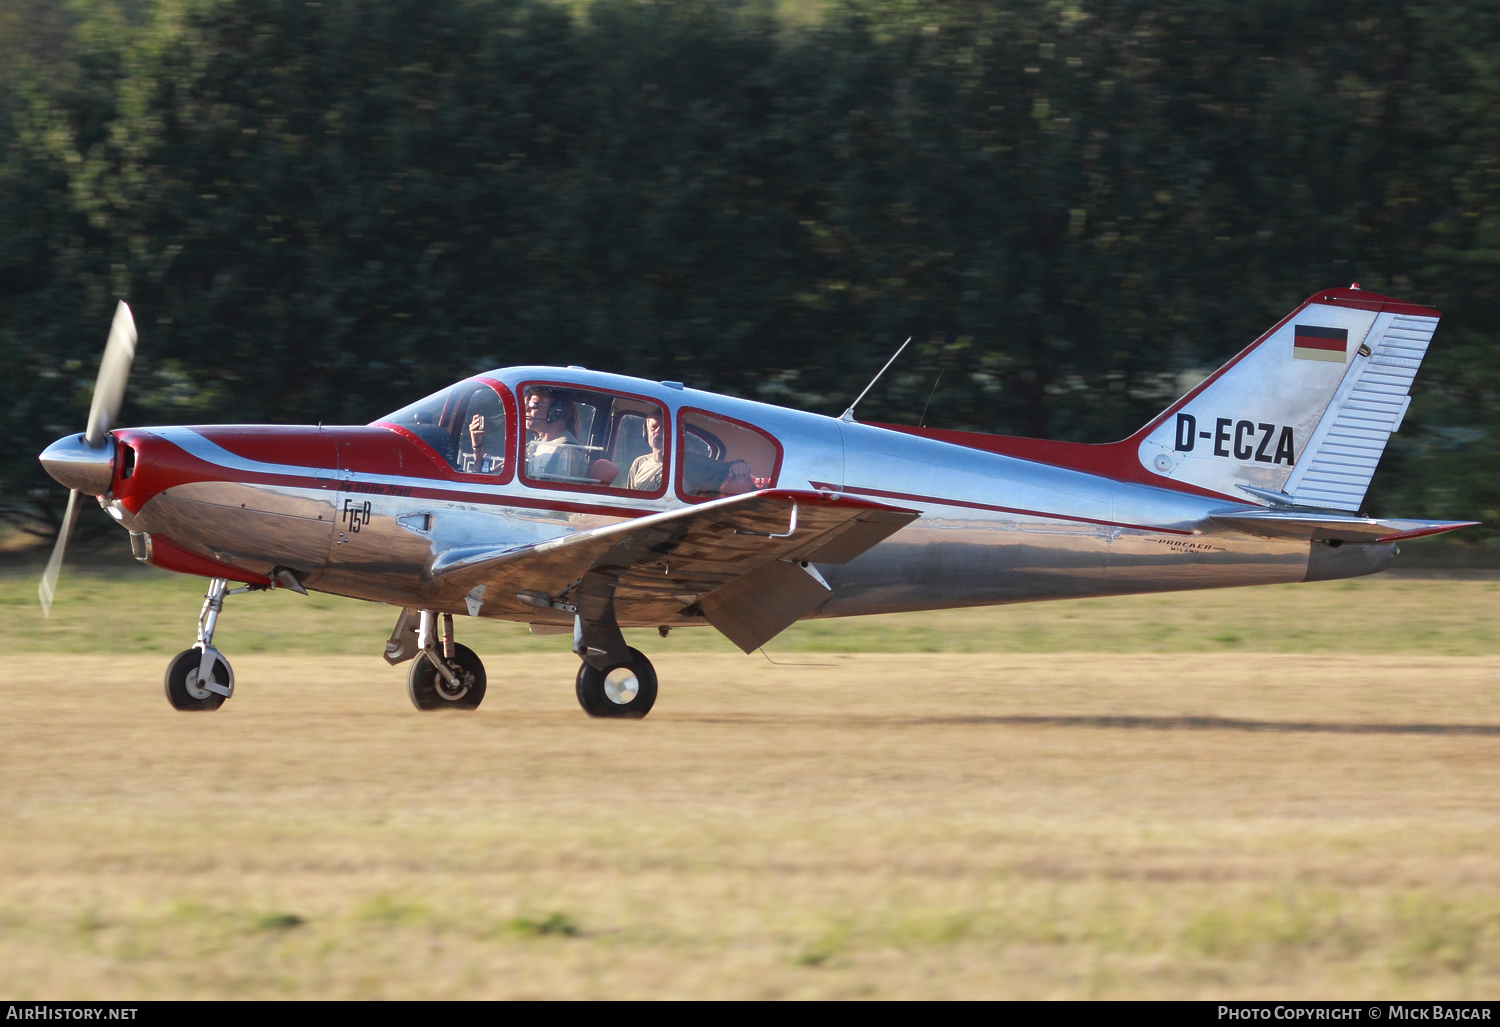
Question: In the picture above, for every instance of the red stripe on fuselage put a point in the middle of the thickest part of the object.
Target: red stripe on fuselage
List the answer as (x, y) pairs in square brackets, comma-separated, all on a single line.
[(297, 444), (162, 465), (1118, 460), (169, 556), (912, 497)]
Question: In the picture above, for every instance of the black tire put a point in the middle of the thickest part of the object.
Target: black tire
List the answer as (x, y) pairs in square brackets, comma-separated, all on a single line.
[(429, 690), (600, 695), (182, 682)]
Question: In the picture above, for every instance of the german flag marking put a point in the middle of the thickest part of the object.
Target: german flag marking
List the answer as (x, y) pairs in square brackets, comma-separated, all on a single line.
[(1310, 342)]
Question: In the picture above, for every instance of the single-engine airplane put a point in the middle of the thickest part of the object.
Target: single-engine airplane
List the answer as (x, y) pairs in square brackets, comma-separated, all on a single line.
[(581, 502)]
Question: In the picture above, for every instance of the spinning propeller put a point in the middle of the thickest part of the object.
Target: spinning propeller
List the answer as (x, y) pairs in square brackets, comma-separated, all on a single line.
[(86, 463)]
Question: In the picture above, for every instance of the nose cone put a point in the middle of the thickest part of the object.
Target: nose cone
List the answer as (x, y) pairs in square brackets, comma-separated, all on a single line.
[(77, 465)]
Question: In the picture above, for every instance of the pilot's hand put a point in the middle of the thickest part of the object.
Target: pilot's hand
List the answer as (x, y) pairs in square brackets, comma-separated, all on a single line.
[(739, 470), (476, 432)]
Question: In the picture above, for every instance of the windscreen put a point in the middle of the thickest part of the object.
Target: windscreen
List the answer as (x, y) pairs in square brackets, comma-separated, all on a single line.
[(464, 424)]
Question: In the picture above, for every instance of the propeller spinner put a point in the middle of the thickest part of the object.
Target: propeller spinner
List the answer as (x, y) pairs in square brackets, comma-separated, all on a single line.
[(86, 463)]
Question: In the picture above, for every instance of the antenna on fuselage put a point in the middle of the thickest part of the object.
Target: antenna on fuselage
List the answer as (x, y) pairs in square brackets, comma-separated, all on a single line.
[(849, 414)]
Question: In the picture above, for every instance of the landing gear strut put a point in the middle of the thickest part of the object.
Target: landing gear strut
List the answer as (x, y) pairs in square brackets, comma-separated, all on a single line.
[(200, 678), (450, 679)]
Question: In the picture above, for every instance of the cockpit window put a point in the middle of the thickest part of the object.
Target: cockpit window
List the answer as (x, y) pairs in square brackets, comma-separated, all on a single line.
[(464, 424), (589, 439), (723, 457)]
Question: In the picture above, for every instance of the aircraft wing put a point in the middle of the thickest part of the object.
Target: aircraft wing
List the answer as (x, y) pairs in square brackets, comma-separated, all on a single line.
[(742, 563)]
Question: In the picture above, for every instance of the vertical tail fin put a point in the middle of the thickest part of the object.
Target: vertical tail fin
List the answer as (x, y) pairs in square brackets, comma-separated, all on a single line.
[(1301, 416)]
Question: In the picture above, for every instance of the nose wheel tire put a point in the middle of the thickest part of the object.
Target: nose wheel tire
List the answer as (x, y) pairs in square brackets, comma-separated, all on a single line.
[(625, 690), (185, 691), (430, 690)]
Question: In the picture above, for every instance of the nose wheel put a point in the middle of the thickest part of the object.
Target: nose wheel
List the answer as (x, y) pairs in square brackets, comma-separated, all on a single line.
[(624, 690), (444, 675), (188, 688), (200, 679), (461, 688)]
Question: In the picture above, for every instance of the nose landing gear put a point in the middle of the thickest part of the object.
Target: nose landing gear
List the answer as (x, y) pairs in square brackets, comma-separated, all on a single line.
[(200, 678), (450, 679)]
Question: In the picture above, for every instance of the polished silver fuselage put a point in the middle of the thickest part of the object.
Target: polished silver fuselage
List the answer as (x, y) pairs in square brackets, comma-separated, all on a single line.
[(992, 528)]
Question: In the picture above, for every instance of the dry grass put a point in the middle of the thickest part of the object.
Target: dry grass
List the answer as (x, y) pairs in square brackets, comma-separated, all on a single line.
[(1212, 824)]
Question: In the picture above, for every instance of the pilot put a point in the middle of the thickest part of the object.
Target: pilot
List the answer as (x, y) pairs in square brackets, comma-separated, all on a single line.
[(645, 470), (552, 450)]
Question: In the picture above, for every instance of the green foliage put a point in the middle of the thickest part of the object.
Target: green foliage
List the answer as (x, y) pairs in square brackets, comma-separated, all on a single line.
[(279, 922), (554, 924), (321, 211)]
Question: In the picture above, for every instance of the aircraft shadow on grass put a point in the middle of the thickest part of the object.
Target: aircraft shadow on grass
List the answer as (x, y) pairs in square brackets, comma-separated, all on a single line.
[(1182, 723), (1228, 724)]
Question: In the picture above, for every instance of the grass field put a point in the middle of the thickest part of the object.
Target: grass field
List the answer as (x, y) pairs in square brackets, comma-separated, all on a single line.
[(1283, 792), (150, 611)]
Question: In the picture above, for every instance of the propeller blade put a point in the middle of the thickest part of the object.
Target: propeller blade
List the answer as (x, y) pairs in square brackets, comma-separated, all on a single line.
[(48, 588), (114, 370)]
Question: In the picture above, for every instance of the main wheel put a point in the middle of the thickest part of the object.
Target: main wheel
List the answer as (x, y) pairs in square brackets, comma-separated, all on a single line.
[(626, 689), (182, 687), (429, 690)]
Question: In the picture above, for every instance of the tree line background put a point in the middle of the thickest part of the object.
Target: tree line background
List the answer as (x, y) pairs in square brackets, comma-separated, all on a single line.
[(320, 211)]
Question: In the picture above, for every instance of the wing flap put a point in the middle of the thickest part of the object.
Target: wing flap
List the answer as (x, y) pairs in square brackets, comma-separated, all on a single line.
[(656, 567), (753, 609)]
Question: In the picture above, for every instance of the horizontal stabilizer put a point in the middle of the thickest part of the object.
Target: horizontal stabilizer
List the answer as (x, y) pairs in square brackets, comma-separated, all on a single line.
[(1331, 527)]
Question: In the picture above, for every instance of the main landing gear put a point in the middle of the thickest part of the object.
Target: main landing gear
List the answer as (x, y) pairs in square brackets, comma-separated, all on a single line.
[(450, 678), (614, 680), (200, 678), (626, 688)]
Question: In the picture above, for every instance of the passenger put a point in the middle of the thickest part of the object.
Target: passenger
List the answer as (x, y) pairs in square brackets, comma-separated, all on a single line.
[(481, 462), (552, 451), (645, 470)]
